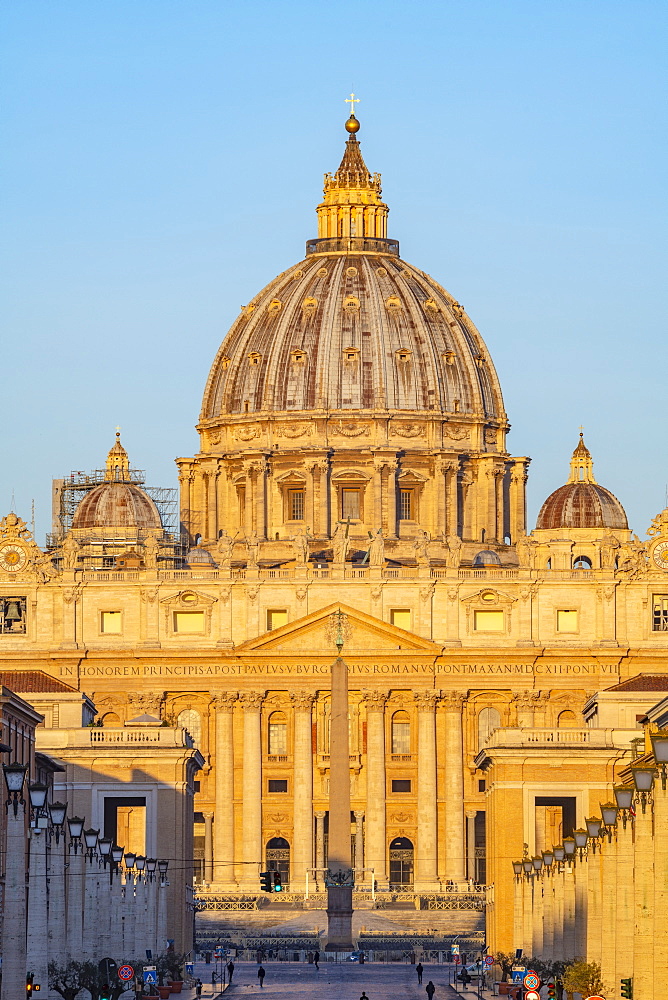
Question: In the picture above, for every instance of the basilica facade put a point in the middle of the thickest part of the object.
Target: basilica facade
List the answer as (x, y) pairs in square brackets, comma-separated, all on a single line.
[(352, 456)]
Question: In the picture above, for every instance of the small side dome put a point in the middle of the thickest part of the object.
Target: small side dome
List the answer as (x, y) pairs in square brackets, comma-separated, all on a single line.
[(581, 502), (486, 558), (199, 557), (117, 505)]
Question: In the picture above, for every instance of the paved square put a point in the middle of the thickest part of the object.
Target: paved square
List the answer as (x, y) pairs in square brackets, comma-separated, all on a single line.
[(380, 981)]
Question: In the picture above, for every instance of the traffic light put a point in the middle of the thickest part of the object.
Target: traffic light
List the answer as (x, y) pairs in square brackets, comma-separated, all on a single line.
[(104, 991), (551, 991), (627, 988), (31, 985), (266, 881), (278, 885)]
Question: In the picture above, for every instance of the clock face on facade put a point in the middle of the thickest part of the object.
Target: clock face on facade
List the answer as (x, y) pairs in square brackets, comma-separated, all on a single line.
[(660, 555), (12, 558)]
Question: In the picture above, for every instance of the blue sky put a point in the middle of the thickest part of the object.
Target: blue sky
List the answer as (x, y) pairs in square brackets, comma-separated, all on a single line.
[(162, 161)]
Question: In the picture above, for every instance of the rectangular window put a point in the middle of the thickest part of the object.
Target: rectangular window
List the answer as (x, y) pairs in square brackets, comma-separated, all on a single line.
[(401, 737), (276, 618), (489, 621), (406, 511), (277, 785), (567, 621), (481, 785), (401, 617), (12, 615), (295, 505), (660, 613), (350, 504), (189, 622), (278, 738), (401, 785), (111, 622)]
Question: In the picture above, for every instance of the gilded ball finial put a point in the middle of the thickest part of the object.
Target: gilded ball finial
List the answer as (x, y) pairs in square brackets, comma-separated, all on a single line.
[(352, 125)]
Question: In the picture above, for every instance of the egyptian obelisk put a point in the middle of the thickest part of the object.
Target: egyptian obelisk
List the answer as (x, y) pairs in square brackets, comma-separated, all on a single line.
[(340, 874)]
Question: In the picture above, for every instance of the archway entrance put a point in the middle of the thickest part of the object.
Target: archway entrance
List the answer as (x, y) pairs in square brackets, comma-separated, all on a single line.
[(278, 858), (401, 863)]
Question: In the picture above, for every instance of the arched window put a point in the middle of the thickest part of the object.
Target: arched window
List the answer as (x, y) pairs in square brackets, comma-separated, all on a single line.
[(278, 858), (190, 719), (401, 863), (111, 721), (278, 733), (548, 564), (581, 562), (567, 720), (401, 733), (489, 719)]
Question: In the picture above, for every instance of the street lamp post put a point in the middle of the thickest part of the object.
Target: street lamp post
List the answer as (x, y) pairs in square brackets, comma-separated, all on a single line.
[(92, 877), (129, 906), (140, 906), (37, 958), (14, 911), (57, 927), (75, 888), (162, 906), (116, 903)]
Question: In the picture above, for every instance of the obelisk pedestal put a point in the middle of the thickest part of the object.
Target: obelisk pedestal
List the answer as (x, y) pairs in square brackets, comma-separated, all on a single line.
[(339, 863)]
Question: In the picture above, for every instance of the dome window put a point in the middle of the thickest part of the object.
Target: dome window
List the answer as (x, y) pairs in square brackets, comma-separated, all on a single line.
[(432, 305), (381, 272), (403, 355), (309, 306), (449, 357), (298, 357), (581, 562), (351, 354), (351, 304), (393, 303), (298, 274), (225, 362), (254, 358), (351, 272), (274, 307)]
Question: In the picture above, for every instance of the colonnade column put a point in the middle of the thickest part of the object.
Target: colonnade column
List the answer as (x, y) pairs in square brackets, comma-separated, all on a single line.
[(320, 846), (261, 470), (223, 833), (208, 847), (376, 847), (378, 467), (499, 476), (248, 499), (252, 789), (455, 852), (426, 868), (302, 837), (359, 847), (392, 468), (451, 500), (470, 845)]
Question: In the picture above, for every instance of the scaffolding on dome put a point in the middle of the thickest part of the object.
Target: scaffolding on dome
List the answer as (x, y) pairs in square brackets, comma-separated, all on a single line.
[(68, 493)]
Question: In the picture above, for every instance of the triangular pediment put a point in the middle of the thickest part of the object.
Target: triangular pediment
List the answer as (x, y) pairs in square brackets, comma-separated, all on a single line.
[(367, 635)]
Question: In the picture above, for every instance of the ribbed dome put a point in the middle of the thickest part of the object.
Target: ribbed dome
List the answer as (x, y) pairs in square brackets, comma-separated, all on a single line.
[(353, 332), (117, 505), (581, 502), (582, 505)]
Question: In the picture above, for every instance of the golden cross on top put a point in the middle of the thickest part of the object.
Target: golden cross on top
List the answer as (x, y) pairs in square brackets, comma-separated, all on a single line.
[(352, 101), (118, 428), (581, 429)]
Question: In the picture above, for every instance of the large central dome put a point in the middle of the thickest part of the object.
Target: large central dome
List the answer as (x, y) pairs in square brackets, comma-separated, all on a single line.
[(352, 388), (353, 327)]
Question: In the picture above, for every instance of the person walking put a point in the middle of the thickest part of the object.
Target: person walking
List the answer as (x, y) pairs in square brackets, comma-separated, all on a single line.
[(230, 971), (419, 970), (364, 996), (198, 988), (316, 959), (430, 989), (260, 975)]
